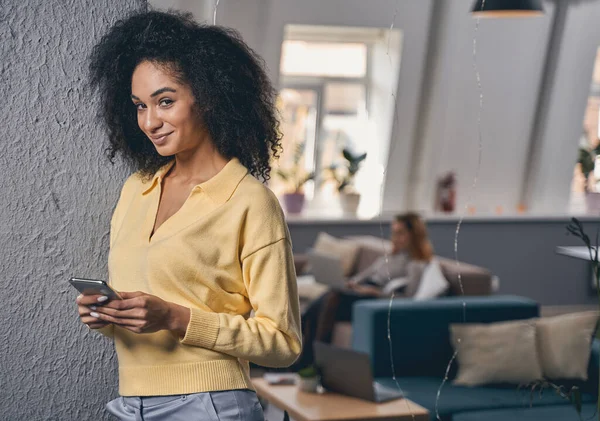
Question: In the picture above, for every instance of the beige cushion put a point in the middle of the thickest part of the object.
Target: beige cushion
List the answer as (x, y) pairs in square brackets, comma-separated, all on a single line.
[(564, 344), (503, 352), (371, 248), (345, 250), (475, 280)]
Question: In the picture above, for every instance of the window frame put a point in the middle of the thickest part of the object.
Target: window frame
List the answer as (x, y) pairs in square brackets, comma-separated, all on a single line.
[(318, 83)]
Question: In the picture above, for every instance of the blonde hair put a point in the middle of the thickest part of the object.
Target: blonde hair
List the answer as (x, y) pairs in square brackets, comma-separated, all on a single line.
[(420, 247)]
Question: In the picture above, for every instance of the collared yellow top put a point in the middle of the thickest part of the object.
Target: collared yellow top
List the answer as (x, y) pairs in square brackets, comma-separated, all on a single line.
[(226, 252)]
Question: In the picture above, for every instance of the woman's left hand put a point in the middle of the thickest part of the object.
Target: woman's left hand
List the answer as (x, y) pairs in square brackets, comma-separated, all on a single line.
[(142, 313)]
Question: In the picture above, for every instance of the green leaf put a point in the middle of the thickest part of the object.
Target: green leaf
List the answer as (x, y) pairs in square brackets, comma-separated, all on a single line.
[(308, 372), (353, 159), (347, 154)]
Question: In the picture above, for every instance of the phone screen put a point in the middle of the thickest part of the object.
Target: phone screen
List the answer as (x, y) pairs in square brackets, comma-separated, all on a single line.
[(94, 287)]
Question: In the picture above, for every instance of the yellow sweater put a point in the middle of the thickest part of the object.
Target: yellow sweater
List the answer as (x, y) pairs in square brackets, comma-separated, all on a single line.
[(226, 252)]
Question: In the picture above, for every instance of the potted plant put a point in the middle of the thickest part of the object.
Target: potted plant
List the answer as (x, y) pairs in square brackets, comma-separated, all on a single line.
[(344, 177), (295, 177), (308, 379), (587, 162)]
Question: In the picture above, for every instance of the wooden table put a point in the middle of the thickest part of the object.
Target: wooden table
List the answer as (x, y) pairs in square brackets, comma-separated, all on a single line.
[(304, 406)]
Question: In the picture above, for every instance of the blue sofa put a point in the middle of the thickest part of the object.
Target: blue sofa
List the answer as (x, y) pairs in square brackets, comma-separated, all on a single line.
[(421, 352)]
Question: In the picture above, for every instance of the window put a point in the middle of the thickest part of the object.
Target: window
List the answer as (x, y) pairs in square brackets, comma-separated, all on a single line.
[(586, 174), (327, 82), (341, 59), (298, 110)]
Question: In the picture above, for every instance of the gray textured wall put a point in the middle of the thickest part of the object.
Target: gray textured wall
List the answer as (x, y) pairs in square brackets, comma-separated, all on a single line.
[(522, 253), (57, 193)]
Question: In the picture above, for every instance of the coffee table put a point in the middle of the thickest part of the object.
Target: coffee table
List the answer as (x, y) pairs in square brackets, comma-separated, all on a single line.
[(303, 406)]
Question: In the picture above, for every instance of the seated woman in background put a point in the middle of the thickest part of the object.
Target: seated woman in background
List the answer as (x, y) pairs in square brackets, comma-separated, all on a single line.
[(398, 272), (411, 252)]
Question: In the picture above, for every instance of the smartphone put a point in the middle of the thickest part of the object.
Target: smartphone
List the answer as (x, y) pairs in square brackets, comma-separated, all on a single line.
[(94, 287)]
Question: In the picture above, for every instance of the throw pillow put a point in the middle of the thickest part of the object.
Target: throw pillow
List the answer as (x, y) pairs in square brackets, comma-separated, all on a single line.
[(564, 344), (433, 282), (503, 352), (345, 250)]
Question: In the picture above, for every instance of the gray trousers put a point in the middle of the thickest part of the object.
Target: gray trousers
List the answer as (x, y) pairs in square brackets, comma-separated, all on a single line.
[(228, 405)]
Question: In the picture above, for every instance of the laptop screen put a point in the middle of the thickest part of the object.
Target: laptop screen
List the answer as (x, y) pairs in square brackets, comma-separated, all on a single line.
[(345, 371)]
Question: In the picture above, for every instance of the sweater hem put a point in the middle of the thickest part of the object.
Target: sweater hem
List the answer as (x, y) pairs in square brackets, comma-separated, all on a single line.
[(179, 379)]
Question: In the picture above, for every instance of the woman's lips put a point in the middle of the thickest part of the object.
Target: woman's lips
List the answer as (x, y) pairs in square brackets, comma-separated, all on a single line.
[(160, 140)]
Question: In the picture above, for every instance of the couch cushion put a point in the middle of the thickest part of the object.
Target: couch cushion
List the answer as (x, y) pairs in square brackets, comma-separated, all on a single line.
[(564, 344), (371, 249), (461, 399), (474, 279), (564, 412), (346, 250), (419, 329), (501, 352)]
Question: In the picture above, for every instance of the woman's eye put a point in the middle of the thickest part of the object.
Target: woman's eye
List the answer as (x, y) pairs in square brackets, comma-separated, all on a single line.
[(139, 106), (166, 102)]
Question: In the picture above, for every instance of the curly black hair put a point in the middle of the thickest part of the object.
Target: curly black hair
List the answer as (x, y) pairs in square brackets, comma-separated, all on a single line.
[(233, 93)]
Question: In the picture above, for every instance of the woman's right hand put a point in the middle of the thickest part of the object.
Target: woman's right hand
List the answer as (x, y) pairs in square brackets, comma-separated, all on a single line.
[(85, 305)]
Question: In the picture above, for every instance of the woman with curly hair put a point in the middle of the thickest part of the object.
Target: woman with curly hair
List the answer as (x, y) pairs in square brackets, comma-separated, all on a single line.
[(197, 242)]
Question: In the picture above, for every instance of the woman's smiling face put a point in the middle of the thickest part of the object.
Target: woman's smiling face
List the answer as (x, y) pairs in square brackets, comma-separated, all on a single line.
[(166, 109)]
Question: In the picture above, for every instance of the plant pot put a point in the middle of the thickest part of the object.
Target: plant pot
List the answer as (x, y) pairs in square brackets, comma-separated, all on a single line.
[(293, 202), (592, 201), (349, 202), (308, 384)]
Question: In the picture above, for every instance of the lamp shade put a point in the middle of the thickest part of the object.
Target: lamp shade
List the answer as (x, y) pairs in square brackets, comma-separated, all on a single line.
[(507, 8)]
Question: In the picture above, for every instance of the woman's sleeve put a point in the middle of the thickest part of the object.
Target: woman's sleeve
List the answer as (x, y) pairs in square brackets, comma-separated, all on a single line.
[(271, 338), (367, 272)]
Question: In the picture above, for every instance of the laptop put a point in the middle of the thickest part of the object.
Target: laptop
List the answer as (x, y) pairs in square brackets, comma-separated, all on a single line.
[(327, 269), (348, 372)]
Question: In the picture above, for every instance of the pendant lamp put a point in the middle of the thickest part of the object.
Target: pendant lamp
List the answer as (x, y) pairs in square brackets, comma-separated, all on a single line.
[(507, 8)]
